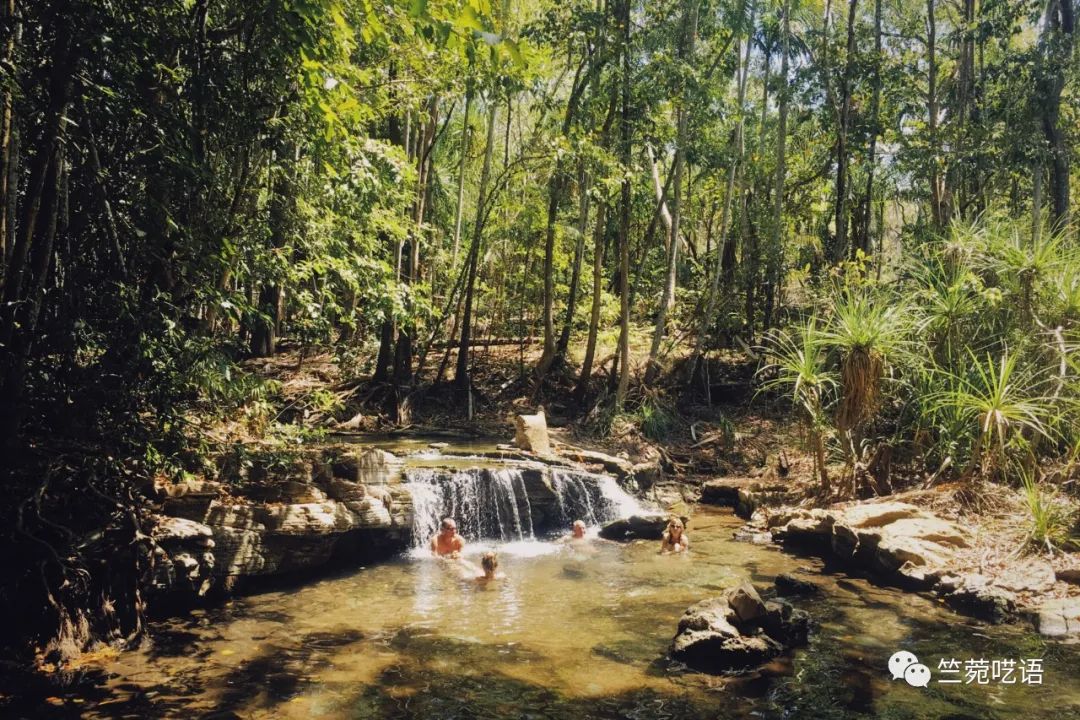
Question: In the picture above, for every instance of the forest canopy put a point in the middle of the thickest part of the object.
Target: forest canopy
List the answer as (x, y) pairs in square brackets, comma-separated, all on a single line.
[(875, 197)]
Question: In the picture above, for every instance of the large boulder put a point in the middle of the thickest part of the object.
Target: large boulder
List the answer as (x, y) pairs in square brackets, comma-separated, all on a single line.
[(636, 527), (531, 434), (737, 631)]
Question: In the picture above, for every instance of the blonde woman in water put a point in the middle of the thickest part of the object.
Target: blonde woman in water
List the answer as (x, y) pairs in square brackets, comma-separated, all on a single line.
[(675, 540)]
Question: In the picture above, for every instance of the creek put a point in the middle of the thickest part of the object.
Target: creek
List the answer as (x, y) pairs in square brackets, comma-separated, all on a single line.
[(572, 631)]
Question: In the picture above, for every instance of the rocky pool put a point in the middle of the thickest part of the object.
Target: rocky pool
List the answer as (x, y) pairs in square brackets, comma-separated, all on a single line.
[(567, 634)]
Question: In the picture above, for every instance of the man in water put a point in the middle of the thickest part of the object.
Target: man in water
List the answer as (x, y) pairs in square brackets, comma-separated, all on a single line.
[(447, 543)]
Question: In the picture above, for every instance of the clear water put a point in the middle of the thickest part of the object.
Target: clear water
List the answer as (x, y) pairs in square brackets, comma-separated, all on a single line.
[(569, 633)]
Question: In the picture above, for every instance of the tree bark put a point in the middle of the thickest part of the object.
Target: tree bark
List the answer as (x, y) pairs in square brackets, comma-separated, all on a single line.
[(624, 218), (667, 301), (725, 256)]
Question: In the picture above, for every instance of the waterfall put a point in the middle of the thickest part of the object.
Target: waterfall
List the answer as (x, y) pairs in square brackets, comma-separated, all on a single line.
[(495, 503), (593, 499), (487, 503)]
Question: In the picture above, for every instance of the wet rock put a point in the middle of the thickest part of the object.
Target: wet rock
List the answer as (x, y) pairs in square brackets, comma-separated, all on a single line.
[(789, 585), (752, 536), (646, 474), (737, 631), (1059, 618), (746, 603), (804, 526), (785, 624), (635, 527), (530, 433), (720, 491), (620, 467), (977, 597)]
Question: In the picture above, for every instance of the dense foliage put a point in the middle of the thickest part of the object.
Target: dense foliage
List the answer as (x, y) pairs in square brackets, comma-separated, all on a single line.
[(883, 189)]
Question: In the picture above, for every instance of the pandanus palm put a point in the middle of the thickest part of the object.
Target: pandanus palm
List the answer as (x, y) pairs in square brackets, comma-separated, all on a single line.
[(799, 368), (869, 332)]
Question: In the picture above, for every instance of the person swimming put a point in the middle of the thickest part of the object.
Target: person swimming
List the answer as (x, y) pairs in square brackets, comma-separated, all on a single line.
[(675, 540), (577, 532), (447, 543), (489, 562)]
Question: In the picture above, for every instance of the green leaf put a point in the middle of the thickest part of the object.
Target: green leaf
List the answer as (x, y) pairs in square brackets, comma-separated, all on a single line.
[(469, 20)]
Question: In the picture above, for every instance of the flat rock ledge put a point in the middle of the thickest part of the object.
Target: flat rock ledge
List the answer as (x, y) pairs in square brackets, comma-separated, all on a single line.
[(915, 549), (737, 631)]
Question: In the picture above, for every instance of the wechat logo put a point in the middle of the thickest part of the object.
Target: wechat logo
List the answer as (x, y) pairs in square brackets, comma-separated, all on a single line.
[(905, 666)]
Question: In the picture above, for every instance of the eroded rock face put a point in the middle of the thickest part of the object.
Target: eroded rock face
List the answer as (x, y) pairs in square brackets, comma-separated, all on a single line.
[(531, 433), (298, 521), (737, 631), (889, 537), (977, 596)]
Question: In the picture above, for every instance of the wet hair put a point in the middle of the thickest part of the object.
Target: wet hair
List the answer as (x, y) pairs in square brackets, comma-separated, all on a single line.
[(580, 524), (448, 523), (676, 523), (489, 561)]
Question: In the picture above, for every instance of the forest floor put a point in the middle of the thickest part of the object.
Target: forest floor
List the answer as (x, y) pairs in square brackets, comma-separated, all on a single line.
[(732, 433)]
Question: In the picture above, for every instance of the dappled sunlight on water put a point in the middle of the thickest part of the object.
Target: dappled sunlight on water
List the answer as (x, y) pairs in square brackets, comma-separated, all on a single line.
[(571, 631)]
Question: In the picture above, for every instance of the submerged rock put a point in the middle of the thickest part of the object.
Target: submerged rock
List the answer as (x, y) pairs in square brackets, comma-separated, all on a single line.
[(737, 631), (636, 527), (976, 596), (787, 585)]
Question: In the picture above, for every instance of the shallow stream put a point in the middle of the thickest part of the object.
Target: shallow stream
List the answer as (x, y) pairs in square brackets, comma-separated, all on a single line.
[(568, 633)]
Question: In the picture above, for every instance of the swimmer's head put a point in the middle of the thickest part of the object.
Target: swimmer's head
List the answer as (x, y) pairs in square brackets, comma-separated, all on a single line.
[(578, 529), (675, 525), (489, 561), (449, 527)]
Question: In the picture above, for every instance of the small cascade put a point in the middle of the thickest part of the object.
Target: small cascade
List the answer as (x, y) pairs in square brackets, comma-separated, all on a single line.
[(487, 503), (593, 499), (511, 503)]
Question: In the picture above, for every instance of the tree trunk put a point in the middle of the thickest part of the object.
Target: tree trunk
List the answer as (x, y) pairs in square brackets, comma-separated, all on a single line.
[(776, 251), (937, 212), (461, 377), (840, 246), (267, 325), (1057, 52), (466, 137), (575, 277), (875, 130), (624, 218), (725, 256)]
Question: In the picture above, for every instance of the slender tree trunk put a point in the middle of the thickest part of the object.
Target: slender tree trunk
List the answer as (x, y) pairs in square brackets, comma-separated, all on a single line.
[(461, 377), (599, 232), (667, 301), (937, 212), (556, 186), (1057, 51), (875, 130), (776, 251), (579, 253), (9, 153), (466, 137), (403, 357), (267, 326), (624, 218), (840, 247), (725, 256)]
